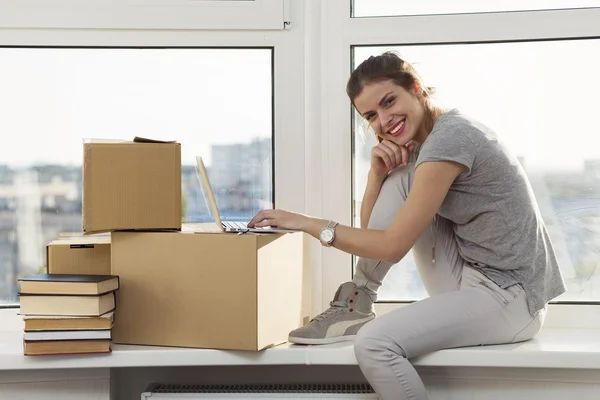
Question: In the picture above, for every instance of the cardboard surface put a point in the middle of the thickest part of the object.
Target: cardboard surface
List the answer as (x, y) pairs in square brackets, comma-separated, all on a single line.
[(131, 186), (220, 291), (279, 286), (79, 255)]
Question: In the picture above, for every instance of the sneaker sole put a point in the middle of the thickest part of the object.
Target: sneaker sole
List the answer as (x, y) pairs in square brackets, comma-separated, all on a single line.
[(329, 340)]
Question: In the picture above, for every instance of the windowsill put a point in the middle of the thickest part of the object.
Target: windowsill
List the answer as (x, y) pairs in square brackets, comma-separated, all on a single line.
[(552, 348)]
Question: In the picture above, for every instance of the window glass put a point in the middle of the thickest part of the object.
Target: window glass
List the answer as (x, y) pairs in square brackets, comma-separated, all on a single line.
[(218, 103), (540, 97), (388, 8)]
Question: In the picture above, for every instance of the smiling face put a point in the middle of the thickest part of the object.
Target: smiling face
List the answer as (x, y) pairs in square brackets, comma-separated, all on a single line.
[(394, 113)]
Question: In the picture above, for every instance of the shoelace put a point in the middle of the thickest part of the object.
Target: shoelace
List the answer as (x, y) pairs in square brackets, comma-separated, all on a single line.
[(335, 307)]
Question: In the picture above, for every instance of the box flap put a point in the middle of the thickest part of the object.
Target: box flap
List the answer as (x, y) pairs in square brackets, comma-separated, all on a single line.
[(75, 235), (136, 139), (200, 227), (139, 139), (109, 141), (91, 239)]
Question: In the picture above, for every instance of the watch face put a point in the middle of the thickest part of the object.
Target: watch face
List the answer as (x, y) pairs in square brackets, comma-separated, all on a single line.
[(326, 235)]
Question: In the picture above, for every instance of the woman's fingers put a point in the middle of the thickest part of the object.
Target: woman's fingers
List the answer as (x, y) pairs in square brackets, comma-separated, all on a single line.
[(393, 150), (398, 153), (379, 151), (259, 217), (404, 154), (393, 154)]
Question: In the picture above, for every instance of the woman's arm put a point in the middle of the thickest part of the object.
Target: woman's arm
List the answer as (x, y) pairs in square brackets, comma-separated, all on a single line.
[(374, 183), (431, 184)]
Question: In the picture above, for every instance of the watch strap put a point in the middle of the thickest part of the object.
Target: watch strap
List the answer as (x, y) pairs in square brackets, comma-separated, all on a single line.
[(331, 224)]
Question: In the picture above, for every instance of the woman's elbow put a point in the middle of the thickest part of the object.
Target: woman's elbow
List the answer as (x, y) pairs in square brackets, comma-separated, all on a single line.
[(390, 249), (394, 260), (393, 255)]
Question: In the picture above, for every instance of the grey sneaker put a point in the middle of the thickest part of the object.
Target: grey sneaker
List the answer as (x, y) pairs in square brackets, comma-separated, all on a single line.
[(350, 309)]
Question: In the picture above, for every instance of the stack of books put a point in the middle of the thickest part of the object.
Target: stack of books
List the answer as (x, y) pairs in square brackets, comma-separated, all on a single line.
[(67, 314)]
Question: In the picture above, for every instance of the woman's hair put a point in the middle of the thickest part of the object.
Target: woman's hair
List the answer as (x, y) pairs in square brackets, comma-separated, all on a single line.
[(388, 67)]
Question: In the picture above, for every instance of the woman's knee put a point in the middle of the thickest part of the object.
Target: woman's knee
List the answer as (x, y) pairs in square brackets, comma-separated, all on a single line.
[(372, 345), (363, 346), (400, 181)]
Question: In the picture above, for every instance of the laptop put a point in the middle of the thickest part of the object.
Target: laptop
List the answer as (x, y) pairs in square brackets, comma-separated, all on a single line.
[(227, 226)]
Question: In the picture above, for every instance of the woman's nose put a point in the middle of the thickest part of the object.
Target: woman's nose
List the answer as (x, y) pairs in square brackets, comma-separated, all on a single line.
[(386, 120)]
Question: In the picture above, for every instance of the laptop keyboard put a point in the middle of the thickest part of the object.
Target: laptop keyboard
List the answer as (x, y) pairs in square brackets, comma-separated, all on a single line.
[(235, 224), (242, 226)]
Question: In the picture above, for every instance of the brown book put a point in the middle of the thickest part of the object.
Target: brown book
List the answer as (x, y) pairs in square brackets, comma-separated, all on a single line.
[(83, 306), (67, 323), (68, 284), (66, 347)]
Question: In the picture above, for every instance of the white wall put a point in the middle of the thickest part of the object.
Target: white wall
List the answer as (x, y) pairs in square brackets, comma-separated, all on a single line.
[(442, 383), (64, 384)]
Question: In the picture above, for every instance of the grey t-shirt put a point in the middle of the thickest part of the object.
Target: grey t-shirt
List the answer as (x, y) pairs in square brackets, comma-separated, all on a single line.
[(497, 222)]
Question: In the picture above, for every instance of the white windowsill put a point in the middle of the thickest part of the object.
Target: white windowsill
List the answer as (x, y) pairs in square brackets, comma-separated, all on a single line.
[(552, 348)]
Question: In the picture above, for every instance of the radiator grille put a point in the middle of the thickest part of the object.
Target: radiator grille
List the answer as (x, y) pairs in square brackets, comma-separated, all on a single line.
[(264, 388)]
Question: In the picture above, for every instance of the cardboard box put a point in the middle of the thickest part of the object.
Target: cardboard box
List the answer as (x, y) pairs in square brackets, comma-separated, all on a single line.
[(79, 255), (220, 291), (131, 186)]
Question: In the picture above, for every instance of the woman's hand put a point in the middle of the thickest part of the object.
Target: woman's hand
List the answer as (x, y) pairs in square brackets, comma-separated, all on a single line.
[(280, 219), (387, 156)]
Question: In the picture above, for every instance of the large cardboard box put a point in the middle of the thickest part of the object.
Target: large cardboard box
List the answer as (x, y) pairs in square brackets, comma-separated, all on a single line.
[(220, 291), (79, 255), (131, 185)]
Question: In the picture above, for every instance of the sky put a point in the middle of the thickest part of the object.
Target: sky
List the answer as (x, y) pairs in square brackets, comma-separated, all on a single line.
[(540, 97), (53, 99)]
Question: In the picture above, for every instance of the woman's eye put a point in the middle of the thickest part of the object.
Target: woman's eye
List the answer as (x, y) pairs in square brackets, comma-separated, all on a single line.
[(388, 102)]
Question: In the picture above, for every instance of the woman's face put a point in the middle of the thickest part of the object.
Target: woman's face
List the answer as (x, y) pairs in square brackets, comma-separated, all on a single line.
[(394, 113)]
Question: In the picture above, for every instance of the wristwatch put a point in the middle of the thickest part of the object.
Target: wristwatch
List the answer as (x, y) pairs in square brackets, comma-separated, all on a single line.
[(327, 234)]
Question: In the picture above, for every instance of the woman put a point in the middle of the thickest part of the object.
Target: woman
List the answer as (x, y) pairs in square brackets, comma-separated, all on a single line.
[(446, 187)]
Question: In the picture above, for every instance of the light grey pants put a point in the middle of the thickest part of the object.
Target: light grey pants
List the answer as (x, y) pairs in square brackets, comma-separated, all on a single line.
[(464, 308)]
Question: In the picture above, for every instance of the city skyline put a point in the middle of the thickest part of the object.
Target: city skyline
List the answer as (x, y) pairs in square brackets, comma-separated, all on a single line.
[(39, 203), (203, 99), (569, 201)]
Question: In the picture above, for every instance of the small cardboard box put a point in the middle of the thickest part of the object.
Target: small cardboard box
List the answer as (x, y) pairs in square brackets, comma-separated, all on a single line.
[(220, 291), (79, 255), (132, 185)]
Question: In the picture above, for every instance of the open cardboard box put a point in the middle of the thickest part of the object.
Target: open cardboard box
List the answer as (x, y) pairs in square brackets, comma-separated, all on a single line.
[(208, 290)]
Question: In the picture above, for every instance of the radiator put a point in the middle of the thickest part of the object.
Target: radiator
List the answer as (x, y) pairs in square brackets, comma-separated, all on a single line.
[(259, 392)]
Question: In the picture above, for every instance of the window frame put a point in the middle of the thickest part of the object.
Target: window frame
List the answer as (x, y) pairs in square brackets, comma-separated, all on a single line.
[(288, 88), (342, 32), (145, 14)]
